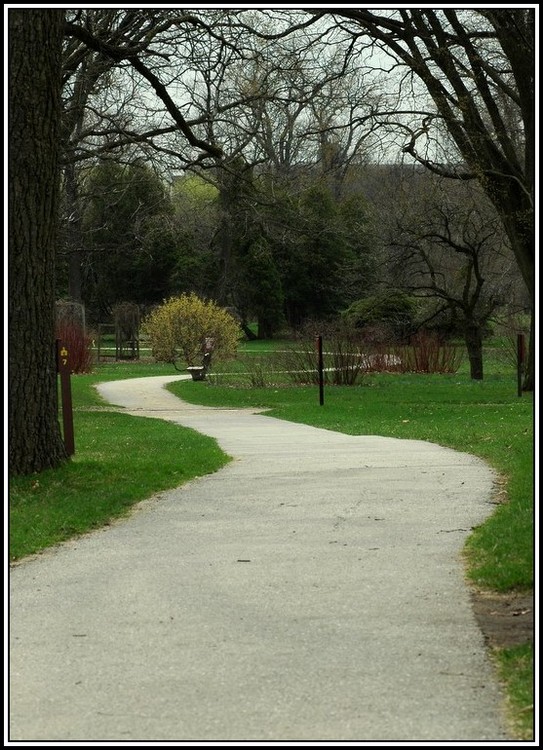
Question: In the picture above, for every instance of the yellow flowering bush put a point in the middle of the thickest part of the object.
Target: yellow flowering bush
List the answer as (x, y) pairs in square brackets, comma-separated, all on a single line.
[(178, 329)]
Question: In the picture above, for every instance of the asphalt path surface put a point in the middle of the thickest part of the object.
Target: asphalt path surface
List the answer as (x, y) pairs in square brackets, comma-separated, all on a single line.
[(313, 589)]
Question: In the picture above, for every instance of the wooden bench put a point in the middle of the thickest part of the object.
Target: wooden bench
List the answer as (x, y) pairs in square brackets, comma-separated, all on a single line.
[(198, 372)]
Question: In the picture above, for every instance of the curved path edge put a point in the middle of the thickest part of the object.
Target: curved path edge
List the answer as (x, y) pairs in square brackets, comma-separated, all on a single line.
[(312, 589)]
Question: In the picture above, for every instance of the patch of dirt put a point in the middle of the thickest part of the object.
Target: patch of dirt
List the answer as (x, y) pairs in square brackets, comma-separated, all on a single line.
[(506, 620)]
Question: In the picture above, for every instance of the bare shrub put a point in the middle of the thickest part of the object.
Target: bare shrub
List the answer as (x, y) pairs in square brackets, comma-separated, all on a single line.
[(259, 372), (508, 330), (342, 356), (428, 353), (68, 311), (299, 362), (347, 358)]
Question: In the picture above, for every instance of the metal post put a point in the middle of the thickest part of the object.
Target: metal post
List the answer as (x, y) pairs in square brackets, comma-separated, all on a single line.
[(321, 370), (63, 368)]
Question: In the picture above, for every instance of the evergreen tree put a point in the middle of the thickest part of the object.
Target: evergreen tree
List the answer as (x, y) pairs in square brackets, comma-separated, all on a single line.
[(131, 246)]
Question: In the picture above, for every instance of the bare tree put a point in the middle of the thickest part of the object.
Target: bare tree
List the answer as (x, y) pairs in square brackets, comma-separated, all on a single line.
[(477, 68), (449, 247)]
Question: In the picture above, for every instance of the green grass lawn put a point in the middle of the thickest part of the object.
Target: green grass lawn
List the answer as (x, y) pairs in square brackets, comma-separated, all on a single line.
[(121, 459)]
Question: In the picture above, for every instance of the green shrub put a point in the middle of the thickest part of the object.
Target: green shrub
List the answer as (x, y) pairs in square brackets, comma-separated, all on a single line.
[(393, 310), (180, 326)]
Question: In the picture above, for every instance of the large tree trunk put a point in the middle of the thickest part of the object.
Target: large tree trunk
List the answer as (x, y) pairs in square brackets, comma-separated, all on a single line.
[(35, 44)]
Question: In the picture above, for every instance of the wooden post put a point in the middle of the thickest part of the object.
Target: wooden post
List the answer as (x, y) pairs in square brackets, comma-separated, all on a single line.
[(63, 368)]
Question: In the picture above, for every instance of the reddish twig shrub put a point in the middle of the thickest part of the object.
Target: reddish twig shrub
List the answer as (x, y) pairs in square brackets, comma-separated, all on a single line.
[(79, 345), (428, 353)]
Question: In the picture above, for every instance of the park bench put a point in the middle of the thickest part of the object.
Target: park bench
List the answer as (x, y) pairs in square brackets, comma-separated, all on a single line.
[(198, 372)]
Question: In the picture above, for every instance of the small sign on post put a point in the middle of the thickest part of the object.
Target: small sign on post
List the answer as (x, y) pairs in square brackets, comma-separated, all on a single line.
[(63, 368)]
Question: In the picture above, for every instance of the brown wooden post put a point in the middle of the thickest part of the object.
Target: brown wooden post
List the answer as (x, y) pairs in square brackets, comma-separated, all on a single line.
[(63, 368)]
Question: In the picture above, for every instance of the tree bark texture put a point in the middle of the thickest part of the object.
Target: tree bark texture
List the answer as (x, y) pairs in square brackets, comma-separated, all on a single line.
[(35, 44)]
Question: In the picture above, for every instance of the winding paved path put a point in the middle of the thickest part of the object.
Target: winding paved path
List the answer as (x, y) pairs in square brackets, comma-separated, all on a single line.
[(310, 590)]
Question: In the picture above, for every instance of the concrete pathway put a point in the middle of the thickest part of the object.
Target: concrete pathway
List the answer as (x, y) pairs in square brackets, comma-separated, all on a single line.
[(310, 590)]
